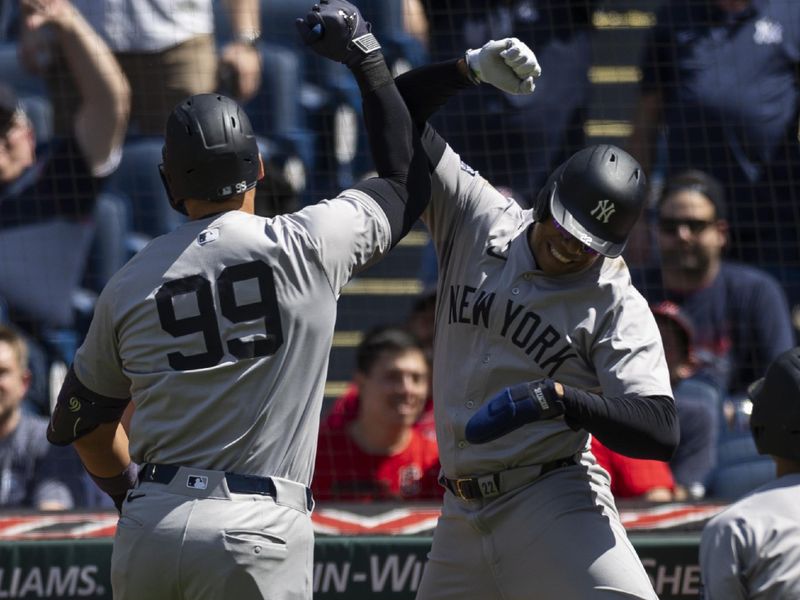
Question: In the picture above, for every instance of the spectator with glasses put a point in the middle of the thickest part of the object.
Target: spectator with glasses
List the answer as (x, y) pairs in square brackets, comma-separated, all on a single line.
[(740, 312)]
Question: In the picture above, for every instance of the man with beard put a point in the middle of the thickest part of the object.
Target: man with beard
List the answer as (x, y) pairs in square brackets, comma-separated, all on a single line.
[(740, 312)]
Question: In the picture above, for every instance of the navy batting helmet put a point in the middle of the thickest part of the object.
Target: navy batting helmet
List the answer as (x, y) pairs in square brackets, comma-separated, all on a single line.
[(597, 195), (210, 151), (775, 421)]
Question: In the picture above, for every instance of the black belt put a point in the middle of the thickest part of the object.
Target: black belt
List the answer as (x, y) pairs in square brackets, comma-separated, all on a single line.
[(237, 484), (469, 488)]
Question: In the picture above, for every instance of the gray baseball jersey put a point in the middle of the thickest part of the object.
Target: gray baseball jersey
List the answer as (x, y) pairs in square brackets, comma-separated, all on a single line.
[(220, 333), (500, 321), (752, 548)]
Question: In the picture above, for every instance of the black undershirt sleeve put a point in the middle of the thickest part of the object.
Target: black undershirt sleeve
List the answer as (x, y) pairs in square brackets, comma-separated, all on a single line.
[(426, 89), (633, 425), (404, 184)]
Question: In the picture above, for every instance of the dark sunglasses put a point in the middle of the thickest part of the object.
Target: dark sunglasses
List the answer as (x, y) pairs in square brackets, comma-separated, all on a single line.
[(695, 226), (568, 236)]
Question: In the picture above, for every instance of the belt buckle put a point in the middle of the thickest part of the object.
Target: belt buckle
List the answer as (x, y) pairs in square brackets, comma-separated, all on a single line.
[(458, 491)]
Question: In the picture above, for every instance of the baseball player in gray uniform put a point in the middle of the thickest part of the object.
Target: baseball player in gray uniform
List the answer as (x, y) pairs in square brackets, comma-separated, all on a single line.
[(752, 549), (540, 341), (219, 334)]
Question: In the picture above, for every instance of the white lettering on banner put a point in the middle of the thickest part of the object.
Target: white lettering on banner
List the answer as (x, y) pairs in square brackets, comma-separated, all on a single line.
[(52, 582), (678, 580), (331, 577), (405, 579), (395, 573), (60, 585)]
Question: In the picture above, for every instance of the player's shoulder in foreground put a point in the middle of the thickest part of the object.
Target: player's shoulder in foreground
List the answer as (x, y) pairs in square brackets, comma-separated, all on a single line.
[(764, 501)]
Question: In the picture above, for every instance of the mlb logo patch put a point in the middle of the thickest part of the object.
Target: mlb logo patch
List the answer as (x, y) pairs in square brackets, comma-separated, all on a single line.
[(207, 236), (197, 482)]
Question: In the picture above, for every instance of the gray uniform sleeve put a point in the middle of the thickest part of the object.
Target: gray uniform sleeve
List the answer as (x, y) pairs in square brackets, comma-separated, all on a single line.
[(458, 192), (97, 363), (720, 556), (347, 233), (628, 355)]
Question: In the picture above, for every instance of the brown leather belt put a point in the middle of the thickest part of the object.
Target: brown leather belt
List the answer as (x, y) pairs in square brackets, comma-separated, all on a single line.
[(494, 484)]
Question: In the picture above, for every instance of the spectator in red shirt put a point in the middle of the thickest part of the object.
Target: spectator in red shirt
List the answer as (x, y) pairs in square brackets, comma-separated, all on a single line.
[(380, 455), (635, 478), (420, 325)]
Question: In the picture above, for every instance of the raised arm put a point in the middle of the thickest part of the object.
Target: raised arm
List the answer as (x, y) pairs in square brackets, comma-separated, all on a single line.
[(507, 64), (336, 30), (102, 116), (241, 55)]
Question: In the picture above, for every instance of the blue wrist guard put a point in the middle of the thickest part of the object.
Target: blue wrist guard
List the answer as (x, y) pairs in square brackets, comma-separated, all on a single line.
[(512, 408)]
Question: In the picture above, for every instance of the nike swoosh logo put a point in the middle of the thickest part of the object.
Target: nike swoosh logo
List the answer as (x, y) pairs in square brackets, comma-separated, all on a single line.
[(133, 497), (492, 252)]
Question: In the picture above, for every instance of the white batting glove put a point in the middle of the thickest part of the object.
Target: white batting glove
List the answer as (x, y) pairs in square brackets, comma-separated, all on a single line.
[(508, 65)]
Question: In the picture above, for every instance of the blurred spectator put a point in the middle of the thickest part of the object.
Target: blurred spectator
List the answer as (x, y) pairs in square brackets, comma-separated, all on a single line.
[(48, 194), (415, 21), (740, 313), (166, 49), (635, 478), (697, 401), (422, 318), (752, 548), (380, 455), (32, 472), (720, 80), (543, 128), (420, 323)]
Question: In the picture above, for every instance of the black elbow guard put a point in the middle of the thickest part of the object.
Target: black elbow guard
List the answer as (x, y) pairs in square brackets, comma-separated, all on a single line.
[(80, 411)]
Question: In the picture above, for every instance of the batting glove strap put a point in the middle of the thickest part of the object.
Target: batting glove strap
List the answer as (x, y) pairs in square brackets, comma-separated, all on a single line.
[(471, 56), (539, 399)]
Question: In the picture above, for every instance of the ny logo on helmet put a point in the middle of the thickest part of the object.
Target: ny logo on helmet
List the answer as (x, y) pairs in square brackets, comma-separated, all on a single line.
[(603, 210)]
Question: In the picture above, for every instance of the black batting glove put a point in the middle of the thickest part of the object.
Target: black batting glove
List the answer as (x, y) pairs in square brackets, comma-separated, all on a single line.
[(514, 407), (336, 30)]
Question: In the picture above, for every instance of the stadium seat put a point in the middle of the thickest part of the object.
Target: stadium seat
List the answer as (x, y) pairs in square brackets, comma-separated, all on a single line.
[(138, 181), (740, 468), (12, 73), (731, 482), (111, 247), (9, 20)]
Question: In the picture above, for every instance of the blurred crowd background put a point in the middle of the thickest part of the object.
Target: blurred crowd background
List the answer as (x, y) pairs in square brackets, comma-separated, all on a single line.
[(704, 93)]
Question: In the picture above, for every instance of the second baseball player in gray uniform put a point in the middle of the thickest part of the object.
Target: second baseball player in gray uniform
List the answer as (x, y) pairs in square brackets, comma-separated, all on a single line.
[(540, 341), (219, 333), (752, 549)]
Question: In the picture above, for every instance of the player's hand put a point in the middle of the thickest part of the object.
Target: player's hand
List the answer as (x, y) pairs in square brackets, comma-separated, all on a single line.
[(514, 407), (336, 30), (508, 65)]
